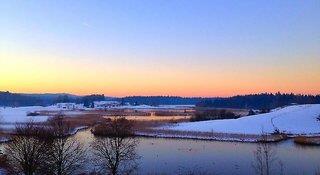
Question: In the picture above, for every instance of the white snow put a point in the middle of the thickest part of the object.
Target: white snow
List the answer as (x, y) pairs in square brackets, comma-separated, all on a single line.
[(11, 115), (19, 114), (298, 119)]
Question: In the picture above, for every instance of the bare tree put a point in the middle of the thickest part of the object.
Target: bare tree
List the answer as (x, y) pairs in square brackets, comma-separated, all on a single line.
[(258, 163), (265, 157), (67, 155), (116, 154), (1, 129), (44, 149), (27, 152), (317, 172), (118, 127)]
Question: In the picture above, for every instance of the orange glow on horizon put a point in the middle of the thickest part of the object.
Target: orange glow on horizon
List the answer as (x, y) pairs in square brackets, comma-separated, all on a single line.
[(36, 75)]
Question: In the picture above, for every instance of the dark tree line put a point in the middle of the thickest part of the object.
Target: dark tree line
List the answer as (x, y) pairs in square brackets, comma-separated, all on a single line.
[(12, 99), (89, 99), (260, 101), (202, 115), (252, 101), (162, 100), (86, 100), (16, 99)]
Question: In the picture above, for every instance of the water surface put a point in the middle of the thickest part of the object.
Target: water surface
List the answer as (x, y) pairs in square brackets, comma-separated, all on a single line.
[(174, 156)]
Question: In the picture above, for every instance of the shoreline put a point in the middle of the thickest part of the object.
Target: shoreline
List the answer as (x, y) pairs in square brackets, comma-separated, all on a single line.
[(186, 135), (206, 136), (73, 132), (210, 136)]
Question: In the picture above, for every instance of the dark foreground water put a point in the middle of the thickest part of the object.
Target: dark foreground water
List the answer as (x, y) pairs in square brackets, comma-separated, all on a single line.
[(176, 156)]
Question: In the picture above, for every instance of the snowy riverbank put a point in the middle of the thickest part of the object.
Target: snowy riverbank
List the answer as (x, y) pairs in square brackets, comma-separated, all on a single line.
[(293, 120)]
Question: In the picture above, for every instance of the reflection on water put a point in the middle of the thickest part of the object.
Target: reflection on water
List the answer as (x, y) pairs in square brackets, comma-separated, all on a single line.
[(173, 156)]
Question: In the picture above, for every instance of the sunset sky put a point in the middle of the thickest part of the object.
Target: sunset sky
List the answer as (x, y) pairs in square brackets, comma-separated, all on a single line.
[(152, 47)]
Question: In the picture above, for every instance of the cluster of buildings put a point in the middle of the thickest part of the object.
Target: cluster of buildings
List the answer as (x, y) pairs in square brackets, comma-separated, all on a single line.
[(96, 105), (106, 104)]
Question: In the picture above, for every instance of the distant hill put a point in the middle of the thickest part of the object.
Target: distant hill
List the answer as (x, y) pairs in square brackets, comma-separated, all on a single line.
[(13, 99), (51, 98), (251, 101), (22, 99), (260, 101)]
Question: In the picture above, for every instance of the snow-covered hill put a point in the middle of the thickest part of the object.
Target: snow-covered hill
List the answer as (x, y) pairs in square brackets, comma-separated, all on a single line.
[(298, 119)]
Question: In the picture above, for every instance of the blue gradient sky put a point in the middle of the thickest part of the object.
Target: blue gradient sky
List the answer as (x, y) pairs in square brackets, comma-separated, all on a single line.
[(190, 48)]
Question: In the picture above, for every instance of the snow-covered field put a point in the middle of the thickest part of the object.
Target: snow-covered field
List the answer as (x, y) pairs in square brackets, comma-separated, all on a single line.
[(298, 119), (9, 116), (19, 114)]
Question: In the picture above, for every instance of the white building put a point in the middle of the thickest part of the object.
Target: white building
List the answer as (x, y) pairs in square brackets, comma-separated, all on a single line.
[(106, 104), (67, 106)]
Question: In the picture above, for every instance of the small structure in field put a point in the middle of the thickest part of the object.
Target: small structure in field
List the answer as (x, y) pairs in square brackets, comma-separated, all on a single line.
[(68, 106)]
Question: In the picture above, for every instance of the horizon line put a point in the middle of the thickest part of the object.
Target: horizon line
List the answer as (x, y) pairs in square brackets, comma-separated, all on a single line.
[(227, 96)]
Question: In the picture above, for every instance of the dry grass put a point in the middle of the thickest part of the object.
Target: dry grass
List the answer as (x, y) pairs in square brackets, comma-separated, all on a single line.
[(84, 120), (153, 118), (140, 121), (146, 121), (307, 140), (150, 116), (173, 112)]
